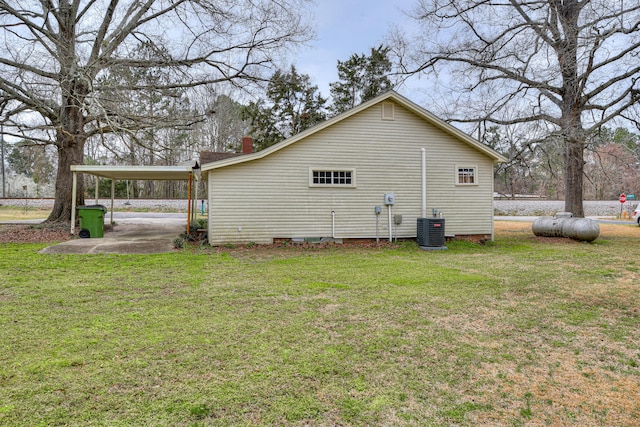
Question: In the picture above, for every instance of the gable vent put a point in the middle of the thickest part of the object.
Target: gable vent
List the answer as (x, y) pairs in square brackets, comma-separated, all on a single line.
[(388, 111)]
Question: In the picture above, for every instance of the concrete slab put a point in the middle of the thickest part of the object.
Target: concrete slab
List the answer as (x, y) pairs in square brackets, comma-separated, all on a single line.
[(134, 235)]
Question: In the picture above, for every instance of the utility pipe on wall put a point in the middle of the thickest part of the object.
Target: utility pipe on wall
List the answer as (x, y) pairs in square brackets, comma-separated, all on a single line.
[(333, 224), (424, 182), (390, 226)]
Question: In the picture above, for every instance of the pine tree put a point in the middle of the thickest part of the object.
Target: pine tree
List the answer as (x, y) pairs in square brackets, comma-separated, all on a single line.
[(361, 78), (292, 105)]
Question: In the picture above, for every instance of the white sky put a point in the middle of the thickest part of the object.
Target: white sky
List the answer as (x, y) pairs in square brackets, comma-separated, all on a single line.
[(345, 27)]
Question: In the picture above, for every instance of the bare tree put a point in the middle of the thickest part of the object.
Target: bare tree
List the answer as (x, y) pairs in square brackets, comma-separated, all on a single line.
[(611, 164), (54, 56), (569, 65), (224, 127)]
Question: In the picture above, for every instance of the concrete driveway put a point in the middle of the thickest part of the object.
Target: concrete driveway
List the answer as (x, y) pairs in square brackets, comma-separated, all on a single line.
[(134, 233)]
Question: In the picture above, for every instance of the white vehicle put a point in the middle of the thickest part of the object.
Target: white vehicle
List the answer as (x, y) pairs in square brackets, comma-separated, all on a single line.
[(636, 215)]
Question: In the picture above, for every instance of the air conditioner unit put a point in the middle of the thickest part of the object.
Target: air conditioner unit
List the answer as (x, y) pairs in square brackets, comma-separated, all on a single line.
[(431, 232)]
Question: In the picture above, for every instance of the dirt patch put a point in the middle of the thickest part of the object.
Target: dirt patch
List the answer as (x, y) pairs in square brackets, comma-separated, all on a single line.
[(40, 233), (559, 391)]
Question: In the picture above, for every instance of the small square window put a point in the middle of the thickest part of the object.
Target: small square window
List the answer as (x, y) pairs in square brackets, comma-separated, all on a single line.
[(321, 177), (466, 176)]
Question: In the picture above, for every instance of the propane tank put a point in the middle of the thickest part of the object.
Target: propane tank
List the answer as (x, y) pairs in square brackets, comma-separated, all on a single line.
[(581, 229), (547, 226)]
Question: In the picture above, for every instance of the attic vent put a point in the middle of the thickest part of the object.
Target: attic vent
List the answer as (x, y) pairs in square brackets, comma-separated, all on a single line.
[(388, 111)]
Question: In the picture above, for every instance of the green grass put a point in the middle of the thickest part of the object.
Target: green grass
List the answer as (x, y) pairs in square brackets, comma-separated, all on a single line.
[(514, 332)]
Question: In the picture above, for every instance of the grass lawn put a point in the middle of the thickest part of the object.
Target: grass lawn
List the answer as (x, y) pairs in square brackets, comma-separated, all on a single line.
[(12, 213), (521, 331)]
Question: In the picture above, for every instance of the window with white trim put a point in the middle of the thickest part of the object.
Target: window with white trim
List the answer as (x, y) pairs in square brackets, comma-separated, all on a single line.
[(466, 175), (327, 177)]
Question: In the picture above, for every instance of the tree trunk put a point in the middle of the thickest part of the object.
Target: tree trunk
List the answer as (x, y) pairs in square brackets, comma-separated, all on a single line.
[(70, 140), (572, 105), (71, 154), (70, 133), (574, 172)]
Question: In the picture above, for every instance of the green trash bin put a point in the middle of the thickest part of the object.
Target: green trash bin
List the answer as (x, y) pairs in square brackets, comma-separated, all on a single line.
[(91, 220)]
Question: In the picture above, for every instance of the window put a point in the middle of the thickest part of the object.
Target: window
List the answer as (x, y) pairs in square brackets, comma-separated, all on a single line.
[(342, 178), (466, 175)]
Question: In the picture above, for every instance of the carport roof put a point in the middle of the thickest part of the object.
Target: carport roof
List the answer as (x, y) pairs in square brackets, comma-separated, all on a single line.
[(136, 172)]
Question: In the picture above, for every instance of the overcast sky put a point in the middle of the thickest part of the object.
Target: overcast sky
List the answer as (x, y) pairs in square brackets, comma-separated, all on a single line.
[(345, 27)]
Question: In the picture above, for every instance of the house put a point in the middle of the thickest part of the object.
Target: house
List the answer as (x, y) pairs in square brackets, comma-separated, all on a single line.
[(369, 172)]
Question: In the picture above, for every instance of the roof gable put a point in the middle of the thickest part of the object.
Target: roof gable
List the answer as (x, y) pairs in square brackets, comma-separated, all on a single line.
[(388, 96)]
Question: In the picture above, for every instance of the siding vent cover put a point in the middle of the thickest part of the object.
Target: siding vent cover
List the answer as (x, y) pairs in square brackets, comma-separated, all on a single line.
[(431, 233), (388, 111)]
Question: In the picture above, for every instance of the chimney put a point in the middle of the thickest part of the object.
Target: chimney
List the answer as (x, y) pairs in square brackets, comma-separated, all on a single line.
[(247, 145)]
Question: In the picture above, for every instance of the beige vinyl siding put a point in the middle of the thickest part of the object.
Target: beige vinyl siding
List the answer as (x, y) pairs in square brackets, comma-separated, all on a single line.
[(268, 198)]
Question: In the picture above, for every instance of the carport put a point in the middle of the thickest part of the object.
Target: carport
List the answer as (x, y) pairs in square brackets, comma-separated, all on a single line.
[(142, 173)]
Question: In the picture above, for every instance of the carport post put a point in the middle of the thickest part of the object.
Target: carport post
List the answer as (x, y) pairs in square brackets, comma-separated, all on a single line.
[(195, 199), (189, 205), (113, 194), (74, 193), (193, 174), (97, 182)]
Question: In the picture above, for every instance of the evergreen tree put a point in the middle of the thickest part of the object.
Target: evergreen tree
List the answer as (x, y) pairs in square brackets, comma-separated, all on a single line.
[(361, 78), (292, 106)]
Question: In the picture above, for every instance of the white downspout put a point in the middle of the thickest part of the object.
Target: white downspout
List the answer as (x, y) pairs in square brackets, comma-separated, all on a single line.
[(333, 224), (424, 182)]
